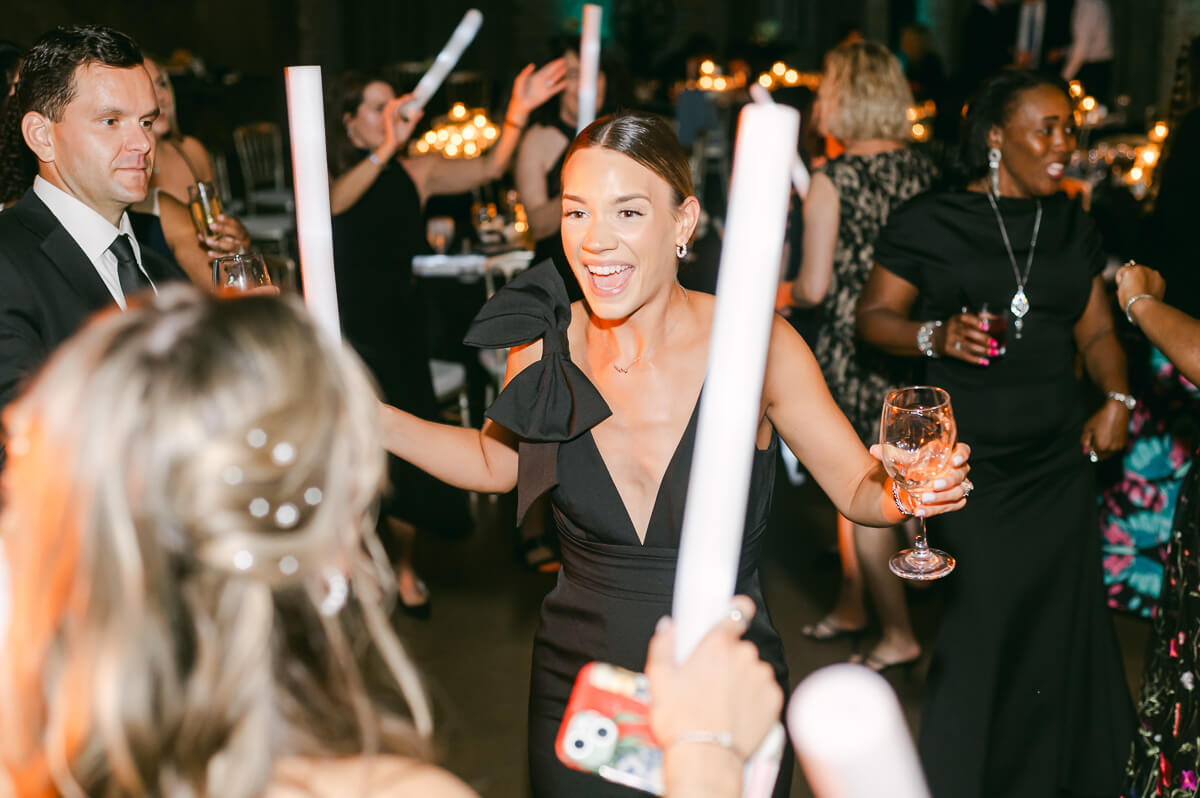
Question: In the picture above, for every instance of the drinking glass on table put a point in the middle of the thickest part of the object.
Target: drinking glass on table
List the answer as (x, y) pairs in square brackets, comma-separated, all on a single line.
[(917, 434), (439, 231), (238, 274)]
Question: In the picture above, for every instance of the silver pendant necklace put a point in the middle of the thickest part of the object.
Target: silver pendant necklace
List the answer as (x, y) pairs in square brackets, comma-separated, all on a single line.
[(1020, 303)]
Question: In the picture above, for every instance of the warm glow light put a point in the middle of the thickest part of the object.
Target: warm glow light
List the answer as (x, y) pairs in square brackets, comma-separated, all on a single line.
[(456, 139), (451, 150), (765, 81), (707, 67), (459, 111), (719, 84), (913, 114), (778, 69), (790, 77), (1160, 131), (1149, 156), (705, 82), (480, 120), (1076, 89), (1087, 103), (469, 133), (490, 132), (918, 131), (520, 227), (1136, 173), (430, 137), (470, 149), (423, 146), (442, 135)]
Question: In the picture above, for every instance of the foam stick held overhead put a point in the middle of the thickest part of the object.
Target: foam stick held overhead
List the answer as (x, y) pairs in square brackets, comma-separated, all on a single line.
[(715, 514), (310, 172), (446, 60), (589, 64), (800, 176)]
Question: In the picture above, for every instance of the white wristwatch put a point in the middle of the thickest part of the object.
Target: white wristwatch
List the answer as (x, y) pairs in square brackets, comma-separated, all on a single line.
[(1124, 398)]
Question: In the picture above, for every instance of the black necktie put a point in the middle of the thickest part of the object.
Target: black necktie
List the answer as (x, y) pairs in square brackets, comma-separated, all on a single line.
[(129, 274)]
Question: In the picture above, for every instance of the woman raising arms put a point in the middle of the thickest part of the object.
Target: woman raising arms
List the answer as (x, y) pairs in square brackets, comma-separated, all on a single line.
[(599, 411)]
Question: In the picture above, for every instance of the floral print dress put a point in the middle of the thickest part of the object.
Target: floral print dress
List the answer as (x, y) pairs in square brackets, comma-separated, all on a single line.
[(1136, 510)]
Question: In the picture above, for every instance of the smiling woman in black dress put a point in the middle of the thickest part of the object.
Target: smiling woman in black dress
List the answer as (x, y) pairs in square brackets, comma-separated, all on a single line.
[(598, 411), (1025, 694)]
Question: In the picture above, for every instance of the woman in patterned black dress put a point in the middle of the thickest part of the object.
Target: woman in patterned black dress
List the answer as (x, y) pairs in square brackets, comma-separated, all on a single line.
[(1165, 760), (862, 102)]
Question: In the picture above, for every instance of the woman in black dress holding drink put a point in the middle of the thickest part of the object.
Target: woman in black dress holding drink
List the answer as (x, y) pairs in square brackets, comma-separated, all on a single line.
[(1025, 695)]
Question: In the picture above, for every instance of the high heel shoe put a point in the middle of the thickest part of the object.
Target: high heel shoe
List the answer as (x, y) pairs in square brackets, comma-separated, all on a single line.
[(826, 631), (421, 610), (881, 666)]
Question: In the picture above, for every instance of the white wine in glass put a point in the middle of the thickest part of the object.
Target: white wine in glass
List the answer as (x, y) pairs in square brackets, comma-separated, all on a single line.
[(917, 434)]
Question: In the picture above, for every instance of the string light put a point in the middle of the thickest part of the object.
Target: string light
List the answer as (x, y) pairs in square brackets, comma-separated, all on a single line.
[(462, 133)]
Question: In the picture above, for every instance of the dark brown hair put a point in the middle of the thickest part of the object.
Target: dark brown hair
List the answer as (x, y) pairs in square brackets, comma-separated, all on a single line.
[(343, 96), (646, 138)]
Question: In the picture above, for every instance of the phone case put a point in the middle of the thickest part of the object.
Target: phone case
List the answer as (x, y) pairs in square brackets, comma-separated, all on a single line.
[(606, 728)]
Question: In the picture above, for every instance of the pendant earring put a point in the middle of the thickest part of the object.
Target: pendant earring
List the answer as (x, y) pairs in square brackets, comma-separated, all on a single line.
[(994, 169), (681, 251)]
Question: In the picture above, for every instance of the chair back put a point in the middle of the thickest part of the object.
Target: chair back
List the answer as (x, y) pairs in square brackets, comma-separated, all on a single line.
[(260, 154)]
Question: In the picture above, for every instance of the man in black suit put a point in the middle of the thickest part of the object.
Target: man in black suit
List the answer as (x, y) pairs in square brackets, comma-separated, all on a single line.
[(67, 250)]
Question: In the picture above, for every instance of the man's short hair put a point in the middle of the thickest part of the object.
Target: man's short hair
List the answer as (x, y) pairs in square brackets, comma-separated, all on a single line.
[(47, 79)]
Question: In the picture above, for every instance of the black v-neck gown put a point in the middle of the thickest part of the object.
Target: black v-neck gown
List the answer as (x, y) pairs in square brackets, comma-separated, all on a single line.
[(613, 587)]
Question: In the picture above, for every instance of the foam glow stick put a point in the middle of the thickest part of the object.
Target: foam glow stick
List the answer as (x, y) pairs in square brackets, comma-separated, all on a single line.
[(851, 736), (446, 60), (589, 64), (800, 176), (310, 173), (714, 517)]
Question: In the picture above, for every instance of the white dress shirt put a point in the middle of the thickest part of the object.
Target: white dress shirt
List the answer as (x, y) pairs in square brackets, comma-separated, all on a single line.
[(92, 232), (1031, 28), (1091, 36)]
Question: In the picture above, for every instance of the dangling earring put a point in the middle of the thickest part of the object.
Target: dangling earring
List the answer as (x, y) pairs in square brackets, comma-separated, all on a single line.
[(994, 169), (336, 591), (681, 251)]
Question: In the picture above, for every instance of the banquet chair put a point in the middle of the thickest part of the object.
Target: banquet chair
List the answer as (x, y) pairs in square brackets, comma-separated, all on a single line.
[(450, 385), (260, 154)]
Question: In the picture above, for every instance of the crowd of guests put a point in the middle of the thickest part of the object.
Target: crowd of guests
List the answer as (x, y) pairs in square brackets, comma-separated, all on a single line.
[(200, 561)]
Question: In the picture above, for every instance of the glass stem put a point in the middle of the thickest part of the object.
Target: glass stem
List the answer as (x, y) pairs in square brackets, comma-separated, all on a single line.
[(920, 547)]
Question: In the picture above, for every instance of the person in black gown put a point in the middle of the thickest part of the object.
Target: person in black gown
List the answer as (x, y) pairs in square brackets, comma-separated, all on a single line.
[(377, 196), (598, 411), (1025, 693)]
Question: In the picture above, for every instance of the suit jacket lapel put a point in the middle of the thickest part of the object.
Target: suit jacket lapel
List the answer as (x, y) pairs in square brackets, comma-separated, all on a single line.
[(66, 255)]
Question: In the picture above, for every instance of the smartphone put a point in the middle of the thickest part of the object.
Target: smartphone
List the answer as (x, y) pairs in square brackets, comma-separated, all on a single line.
[(606, 728)]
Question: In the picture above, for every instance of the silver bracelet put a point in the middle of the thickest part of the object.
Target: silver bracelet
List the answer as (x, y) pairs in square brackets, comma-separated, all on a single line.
[(925, 338), (373, 158), (1130, 402), (722, 739), (1129, 305), (896, 498)]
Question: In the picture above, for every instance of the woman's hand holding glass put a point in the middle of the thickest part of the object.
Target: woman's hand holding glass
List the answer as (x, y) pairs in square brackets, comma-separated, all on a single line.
[(965, 336), (947, 491)]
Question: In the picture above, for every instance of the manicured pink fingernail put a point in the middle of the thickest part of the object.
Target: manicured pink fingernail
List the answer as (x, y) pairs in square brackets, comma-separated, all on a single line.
[(992, 342), (983, 325), (993, 352), (983, 361)]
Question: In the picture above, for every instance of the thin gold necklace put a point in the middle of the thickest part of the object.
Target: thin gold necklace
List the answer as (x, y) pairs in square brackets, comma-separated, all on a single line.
[(652, 347)]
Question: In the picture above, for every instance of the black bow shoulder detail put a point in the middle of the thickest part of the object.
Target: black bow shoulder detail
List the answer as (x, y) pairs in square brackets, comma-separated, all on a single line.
[(551, 401)]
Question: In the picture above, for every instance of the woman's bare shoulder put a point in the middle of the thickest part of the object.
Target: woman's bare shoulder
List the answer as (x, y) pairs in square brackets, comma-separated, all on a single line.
[(370, 776)]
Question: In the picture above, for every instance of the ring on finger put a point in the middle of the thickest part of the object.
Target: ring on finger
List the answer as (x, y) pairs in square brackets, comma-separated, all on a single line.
[(967, 487), (958, 345)]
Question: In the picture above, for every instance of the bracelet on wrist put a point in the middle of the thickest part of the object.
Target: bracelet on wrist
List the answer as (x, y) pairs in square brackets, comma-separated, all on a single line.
[(1129, 306), (375, 159), (722, 740), (1130, 402), (925, 338)]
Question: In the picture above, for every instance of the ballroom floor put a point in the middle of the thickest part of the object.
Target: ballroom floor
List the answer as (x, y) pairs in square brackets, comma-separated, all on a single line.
[(475, 649)]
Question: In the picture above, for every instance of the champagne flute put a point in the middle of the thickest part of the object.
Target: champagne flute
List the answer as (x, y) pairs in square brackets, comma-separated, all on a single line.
[(238, 274), (917, 434), (205, 204)]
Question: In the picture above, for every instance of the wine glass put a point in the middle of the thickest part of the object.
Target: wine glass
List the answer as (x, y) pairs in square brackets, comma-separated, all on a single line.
[(238, 274), (917, 434), (439, 231)]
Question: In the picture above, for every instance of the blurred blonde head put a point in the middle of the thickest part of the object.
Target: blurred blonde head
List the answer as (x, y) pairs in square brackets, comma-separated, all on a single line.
[(190, 484), (863, 94)]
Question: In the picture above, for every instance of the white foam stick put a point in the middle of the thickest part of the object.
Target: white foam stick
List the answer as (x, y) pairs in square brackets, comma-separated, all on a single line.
[(446, 60), (310, 172), (800, 176), (851, 736), (589, 64), (715, 514)]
